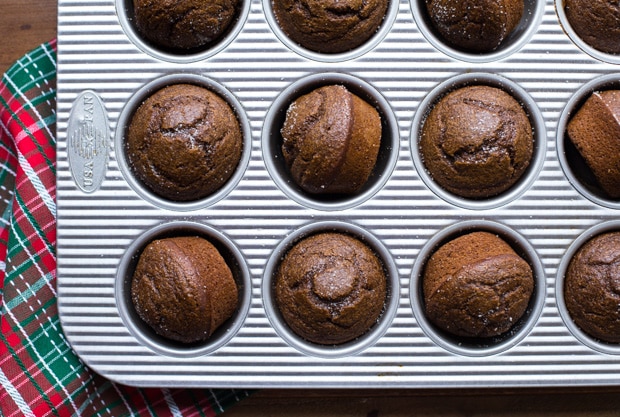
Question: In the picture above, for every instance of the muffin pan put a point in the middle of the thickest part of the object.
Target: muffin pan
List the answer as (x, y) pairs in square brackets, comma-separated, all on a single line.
[(105, 216)]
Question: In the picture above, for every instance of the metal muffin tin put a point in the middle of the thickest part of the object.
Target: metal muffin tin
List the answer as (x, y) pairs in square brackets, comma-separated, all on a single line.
[(105, 216)]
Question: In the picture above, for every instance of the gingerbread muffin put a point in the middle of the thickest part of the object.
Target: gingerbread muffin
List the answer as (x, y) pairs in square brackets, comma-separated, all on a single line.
[(331, 141), (329, 26), (592, 287), (595, 132), (596, 22), (476, 286), (477, 142), (180, 25), (477, 26), (330, 288), (183, 288), (184, 142)]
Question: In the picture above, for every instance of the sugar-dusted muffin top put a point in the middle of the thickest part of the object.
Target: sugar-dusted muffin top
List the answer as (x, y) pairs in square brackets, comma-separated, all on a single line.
[(477, 142), (477, 26), (330, 288), (184, 142), (179, 25), (329, 26), (331, 141)]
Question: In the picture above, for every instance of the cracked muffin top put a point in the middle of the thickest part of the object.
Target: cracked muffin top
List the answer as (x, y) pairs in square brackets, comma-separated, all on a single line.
[(329, 26), (477, 142), (477, 26), (181, 25), (330, 288), (184, 142)]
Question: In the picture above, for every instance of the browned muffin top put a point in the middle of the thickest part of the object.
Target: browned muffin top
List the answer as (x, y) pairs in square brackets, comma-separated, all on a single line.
[(330, 288), (476, 286), (184, 24), (183, 288), (595, 132), (596, 22), (329, 26), (477, 142), (592, 287), (475, 25), (331, 140), (184, 142)]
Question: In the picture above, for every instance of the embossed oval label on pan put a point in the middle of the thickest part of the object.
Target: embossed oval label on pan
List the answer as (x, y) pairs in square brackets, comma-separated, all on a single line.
[(88, 135)]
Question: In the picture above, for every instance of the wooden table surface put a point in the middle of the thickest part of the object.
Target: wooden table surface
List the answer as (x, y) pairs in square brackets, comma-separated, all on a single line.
[(24, 24)]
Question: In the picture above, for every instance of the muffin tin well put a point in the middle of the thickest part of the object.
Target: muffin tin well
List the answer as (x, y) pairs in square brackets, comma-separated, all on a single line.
[(105, 70), (531, 110), (585, 47), (272, 141), (355, 52), (480, 346), (127, 19), (533, 11), (584, 337), (125, 119), (233, 258), (360, 343), (573, 165)]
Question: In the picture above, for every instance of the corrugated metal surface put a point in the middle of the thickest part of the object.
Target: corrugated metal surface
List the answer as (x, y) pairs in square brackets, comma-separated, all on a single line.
[(95, 230)]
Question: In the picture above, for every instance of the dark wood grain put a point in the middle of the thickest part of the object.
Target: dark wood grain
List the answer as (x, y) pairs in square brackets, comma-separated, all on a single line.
[(531, 402), (24, 25)]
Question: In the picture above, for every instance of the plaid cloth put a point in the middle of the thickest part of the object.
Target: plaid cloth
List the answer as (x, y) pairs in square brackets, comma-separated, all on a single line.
[(40, 374)]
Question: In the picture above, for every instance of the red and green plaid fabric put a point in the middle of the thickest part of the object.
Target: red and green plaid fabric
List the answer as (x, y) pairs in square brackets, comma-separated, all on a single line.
[(40, 374)]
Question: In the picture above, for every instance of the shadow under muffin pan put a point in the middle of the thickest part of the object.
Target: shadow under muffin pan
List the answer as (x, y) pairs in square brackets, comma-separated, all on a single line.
[(142, 331), (360, 343), (578, 41), (538, 129), (123, 125), (272, 142), (573, 164), (582, 336), (479, 346), (126, 16), (533, 12), (401, 212)]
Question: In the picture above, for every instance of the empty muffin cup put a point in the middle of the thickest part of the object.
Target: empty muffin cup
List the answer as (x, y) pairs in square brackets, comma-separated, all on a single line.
[(341, 283), (590, 159), (478, 141), (330, 158), (182, 31), (478, 30), (183, 142), (477, 288), (178, 240)]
